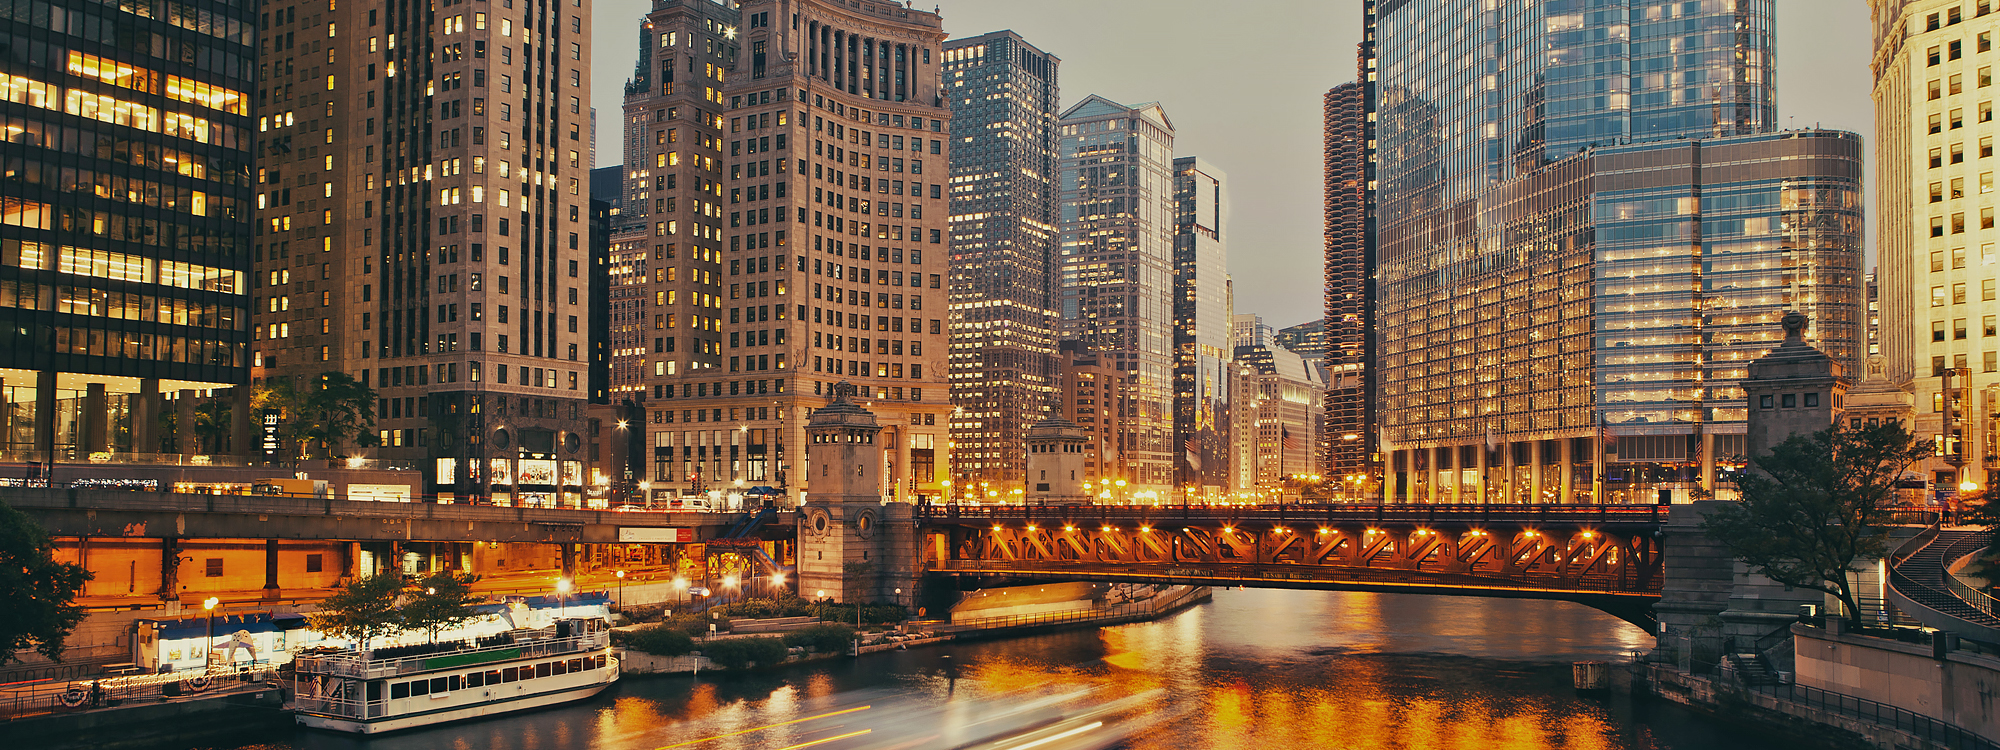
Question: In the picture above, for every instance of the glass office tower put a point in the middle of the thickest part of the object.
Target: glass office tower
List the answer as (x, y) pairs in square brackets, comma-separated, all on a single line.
[(125, 209), (1586, 227)]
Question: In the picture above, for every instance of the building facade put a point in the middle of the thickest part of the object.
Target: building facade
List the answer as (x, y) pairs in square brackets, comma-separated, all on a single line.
[(1203, 318), (796, 237), (1350, 438), (1935, 233), (1091, 391), (1284, 395), (1567, 297), (125, 237), (1004, 102), (1117, 270)]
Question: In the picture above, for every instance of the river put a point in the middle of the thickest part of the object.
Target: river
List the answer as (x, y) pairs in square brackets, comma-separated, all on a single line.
[(1254, 669)]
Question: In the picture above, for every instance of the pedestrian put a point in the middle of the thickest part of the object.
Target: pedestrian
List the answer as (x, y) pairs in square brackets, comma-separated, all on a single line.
[(96, 693)]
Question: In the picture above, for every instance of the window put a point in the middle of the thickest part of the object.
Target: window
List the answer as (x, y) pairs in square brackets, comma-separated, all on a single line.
[(1812, 399), (1788, 401), (1958, 293), (214, 567), (314, 563), (1764, 402), (1937, 330), (1958, 329), (1937, 261)]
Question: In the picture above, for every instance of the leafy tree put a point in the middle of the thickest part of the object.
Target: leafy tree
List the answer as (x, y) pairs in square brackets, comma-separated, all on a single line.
[(737, 653), (441, 601), (39, 593), (1819, 503), (660, 639), (362, 611), (337, 410), (212, 425), (825, 638)]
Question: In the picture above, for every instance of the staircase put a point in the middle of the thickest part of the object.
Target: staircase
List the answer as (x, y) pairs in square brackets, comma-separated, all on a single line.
[(1753, 670), (1920, 577), (749, 523)]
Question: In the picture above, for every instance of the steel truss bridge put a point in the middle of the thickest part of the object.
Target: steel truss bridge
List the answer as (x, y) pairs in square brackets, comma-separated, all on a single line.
[(1604, 556)]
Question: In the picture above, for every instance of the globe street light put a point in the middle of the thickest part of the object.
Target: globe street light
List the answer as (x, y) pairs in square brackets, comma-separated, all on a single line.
[(562, 596), (209, 646), (680, 590), (621, 591)]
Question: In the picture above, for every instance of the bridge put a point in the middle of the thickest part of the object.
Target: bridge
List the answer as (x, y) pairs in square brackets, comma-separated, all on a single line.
[(1604, 556)]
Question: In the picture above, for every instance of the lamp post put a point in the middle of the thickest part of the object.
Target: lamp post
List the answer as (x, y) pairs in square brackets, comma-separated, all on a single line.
[(621, 591), (562, 597), (208, 646), (680, 590), (777, 585), (732, 582)]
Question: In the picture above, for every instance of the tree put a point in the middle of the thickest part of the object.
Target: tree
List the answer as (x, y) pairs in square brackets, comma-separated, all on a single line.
[(40, 593), (338, 409), (212, 426), (1817, 506), (441, 601), (362, 611)]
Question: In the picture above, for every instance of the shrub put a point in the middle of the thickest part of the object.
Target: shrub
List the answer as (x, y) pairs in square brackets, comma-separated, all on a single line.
[(659, 640), (737, 653), (758, 609), (824, 638), (870, 613)]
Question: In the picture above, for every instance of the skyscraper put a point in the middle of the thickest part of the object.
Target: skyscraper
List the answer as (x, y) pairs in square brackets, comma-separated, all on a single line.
[(124, 234), (795, 231), (1350, 438), (1571, 282), (425, 229), (1934, 224), (1117, 271), (1202, 322), (1003, 265)]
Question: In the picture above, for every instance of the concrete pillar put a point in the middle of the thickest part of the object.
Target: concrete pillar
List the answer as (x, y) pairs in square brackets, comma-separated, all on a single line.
[(242, 440), (1485, 468), (95, 415), (1535, 461), (145, 417), (350, 559), (1708, 463), (1565, 469), (270, 568), (1457, 487), (170, 568), (569, 560), (184, 442), (45, 416)]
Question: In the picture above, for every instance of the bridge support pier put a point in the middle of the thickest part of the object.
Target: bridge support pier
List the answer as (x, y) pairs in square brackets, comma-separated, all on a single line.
[(170, 569), (569, 561), (270, 569)]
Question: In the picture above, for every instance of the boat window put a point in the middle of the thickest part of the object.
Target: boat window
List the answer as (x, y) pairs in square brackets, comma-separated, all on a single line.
[(375, 691), (437, 685), (576, 665), (542, 669), (456, 683), (493, 677), (475, 679), (420, 687), (399, 690), (509, 675), (557, 668)]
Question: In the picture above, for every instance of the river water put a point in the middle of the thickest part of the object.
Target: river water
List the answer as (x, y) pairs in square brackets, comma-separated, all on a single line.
[(1254, 669)]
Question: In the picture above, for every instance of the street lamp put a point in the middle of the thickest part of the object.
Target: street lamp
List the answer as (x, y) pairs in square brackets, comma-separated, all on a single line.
[(208, 646), (731, 581), (680, 590), (562, 597), (777, 585), (621, 591)]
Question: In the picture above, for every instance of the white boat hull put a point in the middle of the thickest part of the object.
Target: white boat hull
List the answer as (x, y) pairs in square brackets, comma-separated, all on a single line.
[(488, 704)]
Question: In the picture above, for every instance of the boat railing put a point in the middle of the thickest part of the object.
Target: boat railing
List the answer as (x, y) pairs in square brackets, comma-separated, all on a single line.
[(352, 664)]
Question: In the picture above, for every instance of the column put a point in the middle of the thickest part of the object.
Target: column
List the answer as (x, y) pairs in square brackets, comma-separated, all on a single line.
[(145, 417), (1485, 468), (1708, 462), (1565, 469), (270, 568), (184, 441), (569, 561), (1535, 460), (170, 568), (45, 417), (242, 440), (96, 419)]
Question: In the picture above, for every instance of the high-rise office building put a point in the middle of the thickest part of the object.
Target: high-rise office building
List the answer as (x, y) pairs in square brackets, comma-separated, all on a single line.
[(424, 227), (796, 236), (1934, 208), (1308, 340), (1003, 250), (1572, 282), (124, 224), (1282, 393), (1117, 270), (1349, 439), (1202, 328)]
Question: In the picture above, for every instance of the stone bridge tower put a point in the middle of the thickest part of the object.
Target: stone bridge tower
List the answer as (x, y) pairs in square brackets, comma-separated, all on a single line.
[(853, 545), (1056, 451)]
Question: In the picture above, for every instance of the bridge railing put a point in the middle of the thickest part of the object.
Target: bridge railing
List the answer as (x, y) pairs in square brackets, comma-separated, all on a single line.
[(305, 506), (1332, 512), (1250, 574)]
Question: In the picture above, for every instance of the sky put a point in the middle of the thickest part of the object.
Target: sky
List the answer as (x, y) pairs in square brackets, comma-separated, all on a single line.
[(1242, 81)]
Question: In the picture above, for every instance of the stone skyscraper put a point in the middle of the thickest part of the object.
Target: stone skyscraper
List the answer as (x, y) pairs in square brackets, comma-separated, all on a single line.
[(1003, 265), (1117, 183), (425, 228), (779, 154), (1934, 209), (1579, 251), (1203, 317)]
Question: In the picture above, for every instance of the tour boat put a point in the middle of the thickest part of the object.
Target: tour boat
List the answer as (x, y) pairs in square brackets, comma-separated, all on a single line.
[(384, 690)]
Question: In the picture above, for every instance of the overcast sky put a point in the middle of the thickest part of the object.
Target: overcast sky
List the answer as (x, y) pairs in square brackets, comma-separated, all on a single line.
[(1243, 81)]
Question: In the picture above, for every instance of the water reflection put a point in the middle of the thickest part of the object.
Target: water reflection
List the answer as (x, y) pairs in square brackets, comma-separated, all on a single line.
[(1254, 669)]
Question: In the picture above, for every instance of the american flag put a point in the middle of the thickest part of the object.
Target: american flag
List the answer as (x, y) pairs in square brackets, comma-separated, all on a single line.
[(1286, 439)]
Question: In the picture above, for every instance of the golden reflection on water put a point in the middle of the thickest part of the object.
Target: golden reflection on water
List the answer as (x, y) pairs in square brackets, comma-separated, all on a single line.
[(1311, 674)]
